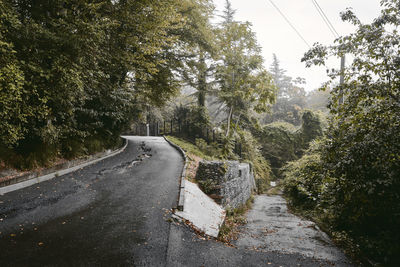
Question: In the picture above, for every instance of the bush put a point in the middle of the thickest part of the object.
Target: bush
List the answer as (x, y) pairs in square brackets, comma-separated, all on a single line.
[(303, 179), (251, 153), (283, 142), (360, 209)]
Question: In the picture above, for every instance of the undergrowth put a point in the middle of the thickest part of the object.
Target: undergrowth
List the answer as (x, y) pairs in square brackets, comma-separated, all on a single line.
[(229, 230)]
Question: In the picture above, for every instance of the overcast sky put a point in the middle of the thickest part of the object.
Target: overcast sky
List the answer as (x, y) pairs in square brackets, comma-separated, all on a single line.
[(275, 35)]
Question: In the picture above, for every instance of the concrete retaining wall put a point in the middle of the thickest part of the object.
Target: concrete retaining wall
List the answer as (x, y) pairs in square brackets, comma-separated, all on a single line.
[(229, 183)]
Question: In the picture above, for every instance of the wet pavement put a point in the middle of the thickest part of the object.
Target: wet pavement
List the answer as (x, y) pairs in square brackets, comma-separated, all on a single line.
[(117, 213), (270, 227), (112, 213), (272, 237)]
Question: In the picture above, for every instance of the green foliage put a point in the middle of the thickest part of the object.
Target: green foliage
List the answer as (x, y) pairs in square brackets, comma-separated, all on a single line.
[(244, 84), (227, 147), (278, 145), (211, 149), (207, 186), (361, 155), (312, 126), (234, 218), (199, 37), (291, 98), (198, 119), (282, 142), (75, 71), (190, 148), (303, 179), (251, 153), (12, 111), (318, 100)]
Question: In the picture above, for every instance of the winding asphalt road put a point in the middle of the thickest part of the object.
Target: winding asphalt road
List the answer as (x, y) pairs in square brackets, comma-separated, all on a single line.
[(117, 213), (112, 213)]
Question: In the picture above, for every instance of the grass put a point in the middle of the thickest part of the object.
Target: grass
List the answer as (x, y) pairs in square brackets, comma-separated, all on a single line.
[(234, 219), (189, 148), (194, 156)]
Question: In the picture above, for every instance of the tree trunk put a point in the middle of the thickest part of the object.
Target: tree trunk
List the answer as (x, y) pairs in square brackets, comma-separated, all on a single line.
[(229, 121), (202, 82), (237, 121)]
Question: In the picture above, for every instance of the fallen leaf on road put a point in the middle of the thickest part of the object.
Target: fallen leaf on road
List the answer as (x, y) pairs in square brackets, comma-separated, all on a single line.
[(63, 223), (40, 244)]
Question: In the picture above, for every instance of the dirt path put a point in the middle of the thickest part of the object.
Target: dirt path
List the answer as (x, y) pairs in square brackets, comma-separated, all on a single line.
[(271, 228)]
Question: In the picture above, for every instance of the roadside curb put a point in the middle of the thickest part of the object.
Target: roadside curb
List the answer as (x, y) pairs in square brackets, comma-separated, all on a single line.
[(34, 178), (181, 199)]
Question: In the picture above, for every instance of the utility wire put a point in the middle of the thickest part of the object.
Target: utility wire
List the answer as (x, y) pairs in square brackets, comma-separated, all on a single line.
[(291, 25), (325, 18), (336, 35)]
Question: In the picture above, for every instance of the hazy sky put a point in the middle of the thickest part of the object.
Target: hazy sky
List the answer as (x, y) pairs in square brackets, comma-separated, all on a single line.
[(275, 35)]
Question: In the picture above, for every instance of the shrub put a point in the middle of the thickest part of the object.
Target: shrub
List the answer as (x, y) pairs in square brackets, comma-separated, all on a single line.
[(283, 142), (251, 153)]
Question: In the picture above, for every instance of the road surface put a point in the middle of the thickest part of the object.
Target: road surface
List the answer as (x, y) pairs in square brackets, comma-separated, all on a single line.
[(117, 213), (112, 213)]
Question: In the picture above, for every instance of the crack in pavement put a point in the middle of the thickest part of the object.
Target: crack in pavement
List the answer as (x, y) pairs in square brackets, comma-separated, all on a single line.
[(129, 164)]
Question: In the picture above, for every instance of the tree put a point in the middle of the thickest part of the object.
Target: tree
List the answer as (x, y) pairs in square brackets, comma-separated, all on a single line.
[(243, 82), (290, 100), (318, 100), (76, 73), (12, 111), (198, 37), (361, 154)]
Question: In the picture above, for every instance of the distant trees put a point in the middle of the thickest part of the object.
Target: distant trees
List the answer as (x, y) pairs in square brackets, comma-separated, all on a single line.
[(291, 97), (318, 99)]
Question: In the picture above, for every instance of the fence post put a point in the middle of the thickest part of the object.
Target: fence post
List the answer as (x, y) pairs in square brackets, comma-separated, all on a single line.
[(171, 128)]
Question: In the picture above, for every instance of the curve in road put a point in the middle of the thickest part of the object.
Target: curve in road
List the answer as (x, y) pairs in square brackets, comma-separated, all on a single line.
[(112, 213)]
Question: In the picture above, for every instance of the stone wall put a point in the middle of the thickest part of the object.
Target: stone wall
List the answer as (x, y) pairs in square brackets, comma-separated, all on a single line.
[(229, 183)]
